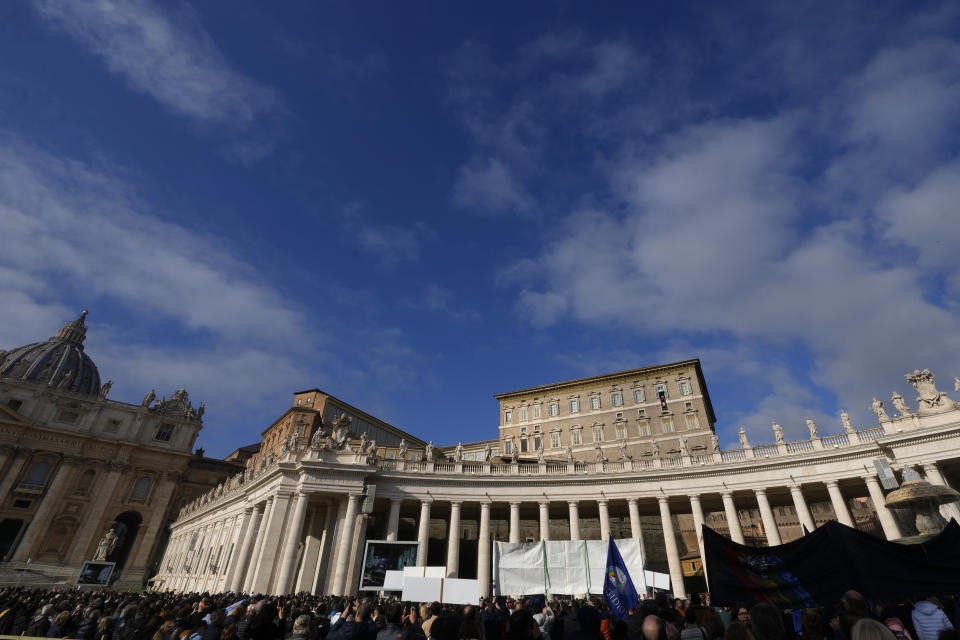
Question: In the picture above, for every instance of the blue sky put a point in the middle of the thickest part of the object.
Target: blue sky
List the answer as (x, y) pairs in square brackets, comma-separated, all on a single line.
[(415, 205)]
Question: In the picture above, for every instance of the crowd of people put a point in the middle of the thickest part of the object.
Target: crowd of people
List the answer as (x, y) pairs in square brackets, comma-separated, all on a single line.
[(106, 615)]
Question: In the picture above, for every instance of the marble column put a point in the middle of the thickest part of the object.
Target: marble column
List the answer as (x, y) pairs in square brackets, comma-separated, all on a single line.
[(544, 520), (44, 514), (696, 509), (248, 529), (670, 544), (574, 520), (483, 550), (308, 557), (453, 541), (839, 504), (393, 520), (800, 504), (423, 533), (314, 552), (733, 518), (346, 543), (90, 530), (19, 459), (604, 519), (356, 555), (636, 529), (328, 563), (887, 522), (934, 476), (769, 520), (258, 546), (291, 544), (514, 522), (268, 553)]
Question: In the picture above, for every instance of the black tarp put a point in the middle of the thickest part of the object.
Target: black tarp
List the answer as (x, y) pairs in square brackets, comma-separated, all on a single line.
[(816, 569)]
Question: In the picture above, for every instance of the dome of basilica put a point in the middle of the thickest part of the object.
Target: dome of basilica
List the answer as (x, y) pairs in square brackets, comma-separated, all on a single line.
[(59, 362)]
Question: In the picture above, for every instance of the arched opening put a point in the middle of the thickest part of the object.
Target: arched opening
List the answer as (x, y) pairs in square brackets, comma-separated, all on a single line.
[(125, 526)]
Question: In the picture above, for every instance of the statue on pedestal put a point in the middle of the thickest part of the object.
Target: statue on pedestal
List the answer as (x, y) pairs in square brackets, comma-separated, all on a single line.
[(715, 442), (105, 389), (778, 433), (599, 454), (149, 398), (540, 453), (956, 383), (341, 430), (106, 545), (458, 453), (845, 420), (623, 450), (570, 457), (900, 405), (813, 428), (428, 452), (487, 453), (403, 449), (744, 443), (655, 449), (364, 441), (683, 447), (929, 397), (877, 407), (316, 442)]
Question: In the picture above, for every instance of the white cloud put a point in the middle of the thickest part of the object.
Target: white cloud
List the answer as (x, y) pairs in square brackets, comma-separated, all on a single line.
[(164, 51), (489, 185)]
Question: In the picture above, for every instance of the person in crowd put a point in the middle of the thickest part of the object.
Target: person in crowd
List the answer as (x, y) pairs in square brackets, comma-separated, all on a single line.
[(87, 628), (301, 629), (870, 629), (544, 620), (738, 631), (654, 628), (393, 623), (811, 624), (229, 632), (433, 614), (767, 622), (691, 630), (743, 614), (40, 623), (929, 620), (470, 627)]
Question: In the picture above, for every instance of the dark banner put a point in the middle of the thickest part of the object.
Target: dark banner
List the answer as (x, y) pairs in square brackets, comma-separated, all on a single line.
[(816, 569)]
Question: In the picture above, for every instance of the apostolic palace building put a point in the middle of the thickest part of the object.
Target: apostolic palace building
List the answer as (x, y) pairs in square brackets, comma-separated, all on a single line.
[(630, 454)]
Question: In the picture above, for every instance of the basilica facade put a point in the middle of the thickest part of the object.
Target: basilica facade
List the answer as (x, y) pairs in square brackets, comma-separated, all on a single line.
[(628, 454)]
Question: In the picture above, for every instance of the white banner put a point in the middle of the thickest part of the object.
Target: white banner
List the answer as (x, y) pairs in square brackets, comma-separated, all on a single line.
[(561, 566)]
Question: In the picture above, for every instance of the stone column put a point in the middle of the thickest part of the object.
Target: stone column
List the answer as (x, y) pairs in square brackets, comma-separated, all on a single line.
[(257, 547), (733, 518), (544, 520), (697, 510), (346, 542), (291, 544), (934, 476), (248, 529), (483, 550), (574, 520), (90, 529), (19, 459), (514, 522), (673, 554), (453, 541), (48, 506), (356, 555), (329, 564), (311, 581), (800, 504), (308, 557), (839, 504), (423, 533), (393, 520), (636, 529), (268, 553), (604, 520), (887, 521), (147, 534), (769, 521)]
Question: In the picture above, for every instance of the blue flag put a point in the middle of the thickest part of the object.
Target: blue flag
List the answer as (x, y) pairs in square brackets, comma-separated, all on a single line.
[(618, 591)]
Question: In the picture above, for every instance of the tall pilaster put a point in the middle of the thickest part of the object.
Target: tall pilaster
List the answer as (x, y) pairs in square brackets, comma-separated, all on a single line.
[(839, 504), (258, 547), (769, 521), (887, 522), (800, 504), (291, 544), (453, 541), (248, 526), (483, 550), (574, 520), (604, 519), (673, 554), (544, 520), (48, 506), (514, 522), (423, 533), (19, 459), (272, 532), (393, 520), (733, 517), (346, 543)]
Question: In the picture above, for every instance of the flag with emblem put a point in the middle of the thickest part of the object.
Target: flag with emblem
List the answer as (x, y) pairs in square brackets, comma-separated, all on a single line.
[(618, 591)]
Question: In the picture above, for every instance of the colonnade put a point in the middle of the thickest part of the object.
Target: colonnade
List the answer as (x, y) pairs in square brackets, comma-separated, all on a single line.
[(284, 531)]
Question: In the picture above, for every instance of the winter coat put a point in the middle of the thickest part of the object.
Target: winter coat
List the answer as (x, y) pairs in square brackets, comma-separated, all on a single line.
[(929, 621), (38, 626), (55, 631), (87, 629)]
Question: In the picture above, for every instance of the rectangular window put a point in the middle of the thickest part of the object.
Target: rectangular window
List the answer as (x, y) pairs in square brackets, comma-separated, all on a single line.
[(164, 433), (641, 413), (621, 432), (639, 396), (14, 404), (508, 447), (523, 431), (594, 402), (661, 389), (553, 408), (616, 399), (574, 405), (523, 445), (537, 443), (523, 414), (692, 423), (555, 440), (507, 417), (576, 437), (644, 427), (67, 416), (536, 428), (597, 434), (685, 387), (112, 426), (667, 425), (536, 411)]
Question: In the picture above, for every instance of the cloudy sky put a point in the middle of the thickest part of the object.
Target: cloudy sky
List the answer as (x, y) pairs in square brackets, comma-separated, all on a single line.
[(416, 205)]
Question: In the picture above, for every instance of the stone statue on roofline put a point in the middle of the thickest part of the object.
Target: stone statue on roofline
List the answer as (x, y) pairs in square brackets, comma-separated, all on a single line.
[(715, 442), (812, 426), (623, 450), (487, 453), (928, 396), (149, 398), (540, 453), (458, 453), (428, 452), (956, 383), (900, 404), (778, 433), (744, 443), (684, 451), (877, 407), (845, 420), (105, 389), (599, 454), (340, 432), (570, 457), (655, 449), (403, 449)]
